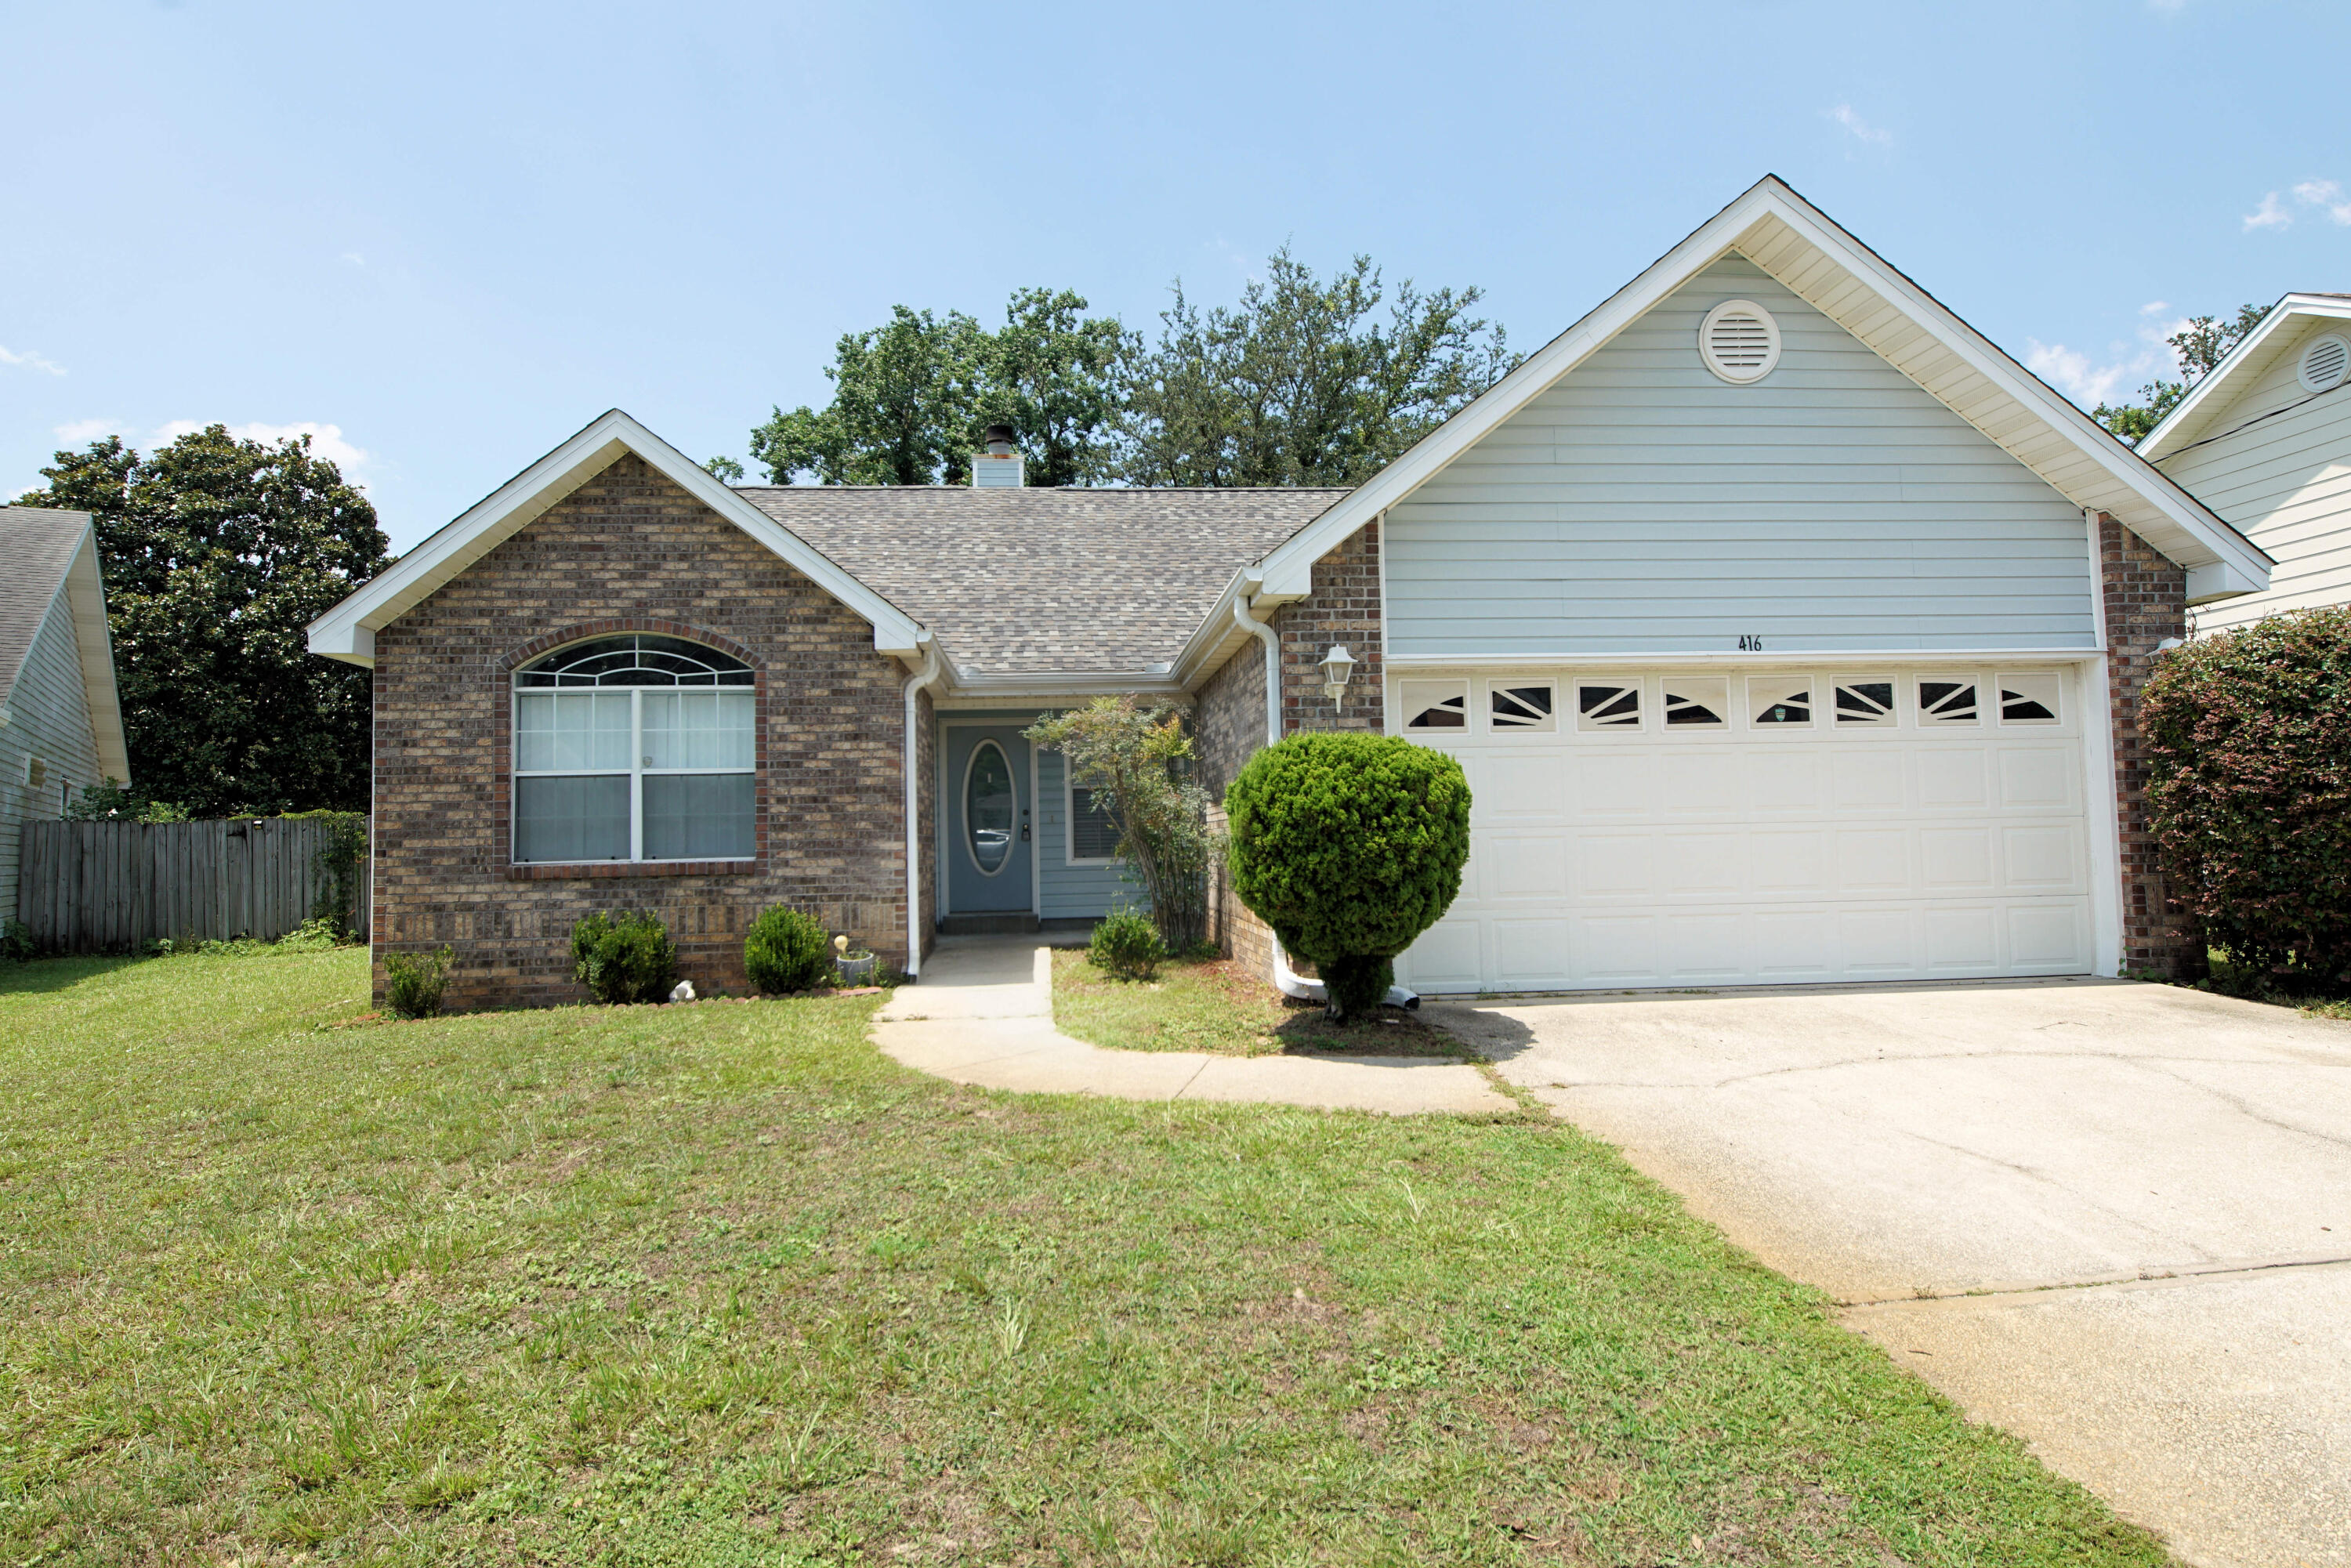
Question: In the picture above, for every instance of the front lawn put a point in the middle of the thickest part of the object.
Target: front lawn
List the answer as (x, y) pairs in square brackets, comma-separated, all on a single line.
[(720, 1284), (1217, 1007)]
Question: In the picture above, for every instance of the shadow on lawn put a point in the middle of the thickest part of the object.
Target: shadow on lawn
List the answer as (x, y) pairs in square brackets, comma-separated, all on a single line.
[(39, 975)]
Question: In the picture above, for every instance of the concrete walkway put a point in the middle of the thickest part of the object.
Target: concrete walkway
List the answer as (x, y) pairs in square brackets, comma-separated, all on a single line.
[(2113, 1218), (983, 1014)]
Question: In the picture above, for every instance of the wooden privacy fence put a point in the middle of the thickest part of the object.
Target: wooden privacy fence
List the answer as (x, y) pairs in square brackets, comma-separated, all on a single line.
[(113, 887)]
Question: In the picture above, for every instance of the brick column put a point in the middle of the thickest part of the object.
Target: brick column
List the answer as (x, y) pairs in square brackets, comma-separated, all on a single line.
[(1343, 607), (2146, 602)]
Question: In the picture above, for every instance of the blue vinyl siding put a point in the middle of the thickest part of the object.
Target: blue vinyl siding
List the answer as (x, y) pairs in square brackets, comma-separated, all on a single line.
[(48, 717), (1642, 506), (1074, 892)]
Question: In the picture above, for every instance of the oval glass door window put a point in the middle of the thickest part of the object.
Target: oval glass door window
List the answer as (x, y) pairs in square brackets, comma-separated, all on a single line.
[(988, 807)]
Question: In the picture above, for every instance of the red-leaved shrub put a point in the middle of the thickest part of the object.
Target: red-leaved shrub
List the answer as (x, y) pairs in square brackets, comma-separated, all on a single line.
[(2249, 734)]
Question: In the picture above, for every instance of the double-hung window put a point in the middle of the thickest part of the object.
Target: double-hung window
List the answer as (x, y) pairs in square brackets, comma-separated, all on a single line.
[(633, 748)]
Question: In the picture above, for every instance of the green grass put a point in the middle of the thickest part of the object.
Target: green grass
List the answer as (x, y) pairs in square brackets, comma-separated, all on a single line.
[(720, 1284), (1216, 1007)]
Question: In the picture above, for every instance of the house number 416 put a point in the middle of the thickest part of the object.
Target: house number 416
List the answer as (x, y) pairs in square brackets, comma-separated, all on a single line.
[(1750, 643)]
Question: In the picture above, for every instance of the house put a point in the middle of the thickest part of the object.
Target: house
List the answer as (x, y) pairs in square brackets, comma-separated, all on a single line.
[(2264, 440), (61, 720), (1788, 630)]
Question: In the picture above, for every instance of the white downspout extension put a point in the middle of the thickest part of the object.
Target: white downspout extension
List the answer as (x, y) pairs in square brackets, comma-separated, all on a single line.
[(1264, 632), (914, 685), (1286, 980)]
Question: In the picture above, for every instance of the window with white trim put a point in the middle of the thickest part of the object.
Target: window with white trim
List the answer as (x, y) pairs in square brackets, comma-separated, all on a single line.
[(1865, 702), (1696, 702), (1946, 702), (1094, 825), (1775, 701), (633, 748)]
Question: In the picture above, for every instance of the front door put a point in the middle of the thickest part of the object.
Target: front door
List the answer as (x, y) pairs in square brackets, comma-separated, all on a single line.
[(987, 820)]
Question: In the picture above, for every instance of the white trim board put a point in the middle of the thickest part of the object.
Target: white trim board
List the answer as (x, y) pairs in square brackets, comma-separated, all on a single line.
[(1801, 246), (2254, 354), (348, 630)]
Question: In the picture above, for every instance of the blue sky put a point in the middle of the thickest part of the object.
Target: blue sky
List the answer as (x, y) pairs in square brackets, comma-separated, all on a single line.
[(444, 237)]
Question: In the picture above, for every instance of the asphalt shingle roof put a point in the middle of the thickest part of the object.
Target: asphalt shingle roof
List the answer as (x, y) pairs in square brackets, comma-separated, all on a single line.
[(1031, 580), (36, 545)]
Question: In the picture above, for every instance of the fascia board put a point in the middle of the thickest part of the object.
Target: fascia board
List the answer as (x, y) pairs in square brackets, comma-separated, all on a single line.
[(1288, 568), (85, 591), (2205, 399), (346, 632)]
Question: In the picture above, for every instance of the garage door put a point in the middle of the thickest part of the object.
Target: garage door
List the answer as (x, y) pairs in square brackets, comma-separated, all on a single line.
[(1716, 827)]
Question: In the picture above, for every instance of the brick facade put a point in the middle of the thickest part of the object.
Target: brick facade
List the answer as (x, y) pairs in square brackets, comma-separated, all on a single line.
[(2146, 603), (1228, 720), (630, 551)]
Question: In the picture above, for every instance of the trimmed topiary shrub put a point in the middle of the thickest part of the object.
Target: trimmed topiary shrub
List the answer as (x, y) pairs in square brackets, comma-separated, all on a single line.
[(1349, 846), (412, 982), (787, 951), (628, 959), (1126, 944), (2249, 745)]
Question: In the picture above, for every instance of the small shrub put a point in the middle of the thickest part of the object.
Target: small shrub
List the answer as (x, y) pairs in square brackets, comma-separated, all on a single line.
[(1349, 846), (786, 950), (315, 934), (2249, 741), (412, 982), (628, 959), (1127, 945), (16, 944)]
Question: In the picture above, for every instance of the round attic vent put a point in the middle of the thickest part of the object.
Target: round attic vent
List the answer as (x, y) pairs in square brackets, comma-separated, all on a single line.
[(1738, 341), (2324, 363)]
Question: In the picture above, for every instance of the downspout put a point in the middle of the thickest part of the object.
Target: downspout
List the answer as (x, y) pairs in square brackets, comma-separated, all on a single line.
[(914, 685), (1264, 632), (1285, 979)]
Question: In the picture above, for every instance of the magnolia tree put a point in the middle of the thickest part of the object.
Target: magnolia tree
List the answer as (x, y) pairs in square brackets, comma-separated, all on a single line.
[(1349, 846), (1137, 753)]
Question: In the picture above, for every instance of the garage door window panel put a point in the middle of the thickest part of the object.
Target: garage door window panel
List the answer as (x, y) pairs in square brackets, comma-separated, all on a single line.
[(1780, 702), (1523, 707), (1866, 703), (1602, 705), (1435, 706), (1697, 702), (1946, 700), (2028, 699)]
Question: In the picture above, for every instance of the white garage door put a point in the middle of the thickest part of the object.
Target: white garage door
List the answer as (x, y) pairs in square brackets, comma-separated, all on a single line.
[(1686, 827)]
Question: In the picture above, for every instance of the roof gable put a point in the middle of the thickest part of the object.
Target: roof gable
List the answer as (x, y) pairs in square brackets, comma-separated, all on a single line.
[(348, 630), (1799, 248), (45, 556), (2208, 405)]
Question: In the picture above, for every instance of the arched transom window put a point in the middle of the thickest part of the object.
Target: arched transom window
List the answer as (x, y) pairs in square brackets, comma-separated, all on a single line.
[(633, 748)]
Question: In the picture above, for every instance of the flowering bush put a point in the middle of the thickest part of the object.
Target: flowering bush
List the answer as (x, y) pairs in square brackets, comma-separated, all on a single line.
[(2249, 737)]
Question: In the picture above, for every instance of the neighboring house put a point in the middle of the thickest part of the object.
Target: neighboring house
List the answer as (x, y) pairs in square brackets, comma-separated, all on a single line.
[(2264, 440), (60, 721), (1788, 630)]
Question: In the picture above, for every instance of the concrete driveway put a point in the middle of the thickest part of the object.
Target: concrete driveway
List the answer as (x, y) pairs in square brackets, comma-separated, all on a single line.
[(2114, 1218)]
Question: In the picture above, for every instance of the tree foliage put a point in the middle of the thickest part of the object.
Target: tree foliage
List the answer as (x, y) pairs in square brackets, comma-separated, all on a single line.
[(2249, 741), (1349, 846), (1138, 753), (217, 554), (2201, 345), (1302, 383), (912, 399)]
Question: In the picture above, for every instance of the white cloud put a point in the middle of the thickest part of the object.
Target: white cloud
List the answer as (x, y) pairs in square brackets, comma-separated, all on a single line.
[(354, 259), (326, 440), (2329, 194), (2124, 370), (1868, 135), (30, 360), (81, 431), (2270, 214)]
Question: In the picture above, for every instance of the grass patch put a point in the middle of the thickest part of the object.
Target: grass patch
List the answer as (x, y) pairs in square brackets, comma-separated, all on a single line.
[(721, 1284), (1218, 1007), (2225, 977)]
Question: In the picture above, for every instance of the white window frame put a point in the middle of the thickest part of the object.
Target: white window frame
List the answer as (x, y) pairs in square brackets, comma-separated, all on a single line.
[(1642, 706), (1522, 682), (638, 772), (1069, 855)]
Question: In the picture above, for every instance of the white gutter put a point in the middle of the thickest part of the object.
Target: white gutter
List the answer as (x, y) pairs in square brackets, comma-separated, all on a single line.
[(914, 689), (1266, 634)]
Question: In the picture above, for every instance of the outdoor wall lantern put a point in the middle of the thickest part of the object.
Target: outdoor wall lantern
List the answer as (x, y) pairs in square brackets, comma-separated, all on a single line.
[(1337, 664)]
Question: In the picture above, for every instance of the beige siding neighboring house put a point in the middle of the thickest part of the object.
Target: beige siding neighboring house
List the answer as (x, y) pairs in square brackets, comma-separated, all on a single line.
[(2265, 441), (60, 723)]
